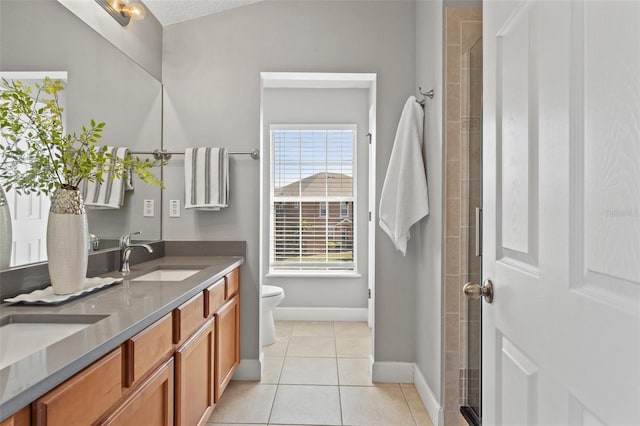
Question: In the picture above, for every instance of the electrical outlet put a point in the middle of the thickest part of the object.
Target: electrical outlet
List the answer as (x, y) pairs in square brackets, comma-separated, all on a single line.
[(174, 208), (148, 208)]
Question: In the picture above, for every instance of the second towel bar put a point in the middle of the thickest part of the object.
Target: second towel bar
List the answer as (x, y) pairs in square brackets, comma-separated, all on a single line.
[(164, 155)]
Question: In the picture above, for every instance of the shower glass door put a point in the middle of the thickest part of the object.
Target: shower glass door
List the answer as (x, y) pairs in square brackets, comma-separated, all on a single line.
[(473, 200)]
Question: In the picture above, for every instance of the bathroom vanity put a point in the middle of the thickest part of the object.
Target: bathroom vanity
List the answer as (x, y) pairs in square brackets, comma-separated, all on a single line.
[(160, 349)]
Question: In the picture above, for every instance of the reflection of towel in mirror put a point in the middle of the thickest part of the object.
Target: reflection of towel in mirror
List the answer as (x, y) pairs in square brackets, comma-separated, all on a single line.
[(206, 177), (404, 199), (108, 194)]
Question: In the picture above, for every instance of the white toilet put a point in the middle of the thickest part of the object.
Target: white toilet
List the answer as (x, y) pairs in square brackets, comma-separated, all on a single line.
[(271, 297)]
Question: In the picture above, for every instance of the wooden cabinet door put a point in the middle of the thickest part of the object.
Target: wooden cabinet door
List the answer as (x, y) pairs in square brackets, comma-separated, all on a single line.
[(195, 377), (151, 404), (21, 418), (227, 344)]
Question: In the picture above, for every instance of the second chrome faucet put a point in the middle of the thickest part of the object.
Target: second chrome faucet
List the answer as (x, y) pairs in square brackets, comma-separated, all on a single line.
[(126, 248)]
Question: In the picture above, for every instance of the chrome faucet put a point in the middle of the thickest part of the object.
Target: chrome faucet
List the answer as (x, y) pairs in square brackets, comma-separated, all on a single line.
[(126, 248)]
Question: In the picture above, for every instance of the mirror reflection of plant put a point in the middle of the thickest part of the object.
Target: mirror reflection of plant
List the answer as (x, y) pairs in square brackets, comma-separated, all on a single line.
[(37, 155)]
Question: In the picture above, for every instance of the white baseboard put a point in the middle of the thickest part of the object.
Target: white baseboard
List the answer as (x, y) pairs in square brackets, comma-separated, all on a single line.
[(392, 372), (248, 370), (428, 398), (371, 362), (320, 314)]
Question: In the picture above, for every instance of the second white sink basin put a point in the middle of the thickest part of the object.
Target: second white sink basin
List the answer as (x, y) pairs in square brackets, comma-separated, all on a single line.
[(167, 275)]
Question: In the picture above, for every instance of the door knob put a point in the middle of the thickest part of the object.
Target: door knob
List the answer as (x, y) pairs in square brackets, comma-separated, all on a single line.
[(474, 291)]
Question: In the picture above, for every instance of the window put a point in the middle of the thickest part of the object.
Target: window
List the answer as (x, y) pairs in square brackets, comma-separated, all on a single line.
[(312, 198), (344, 209), (323, 210)]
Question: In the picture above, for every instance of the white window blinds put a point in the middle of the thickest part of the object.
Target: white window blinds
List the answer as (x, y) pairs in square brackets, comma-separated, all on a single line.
[(312, 198)]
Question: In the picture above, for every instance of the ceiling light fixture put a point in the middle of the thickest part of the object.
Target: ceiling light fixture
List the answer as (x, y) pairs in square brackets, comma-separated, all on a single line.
[(123, 11)]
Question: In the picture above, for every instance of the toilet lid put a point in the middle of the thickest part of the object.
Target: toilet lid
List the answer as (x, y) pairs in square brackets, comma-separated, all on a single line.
[(271, 290)]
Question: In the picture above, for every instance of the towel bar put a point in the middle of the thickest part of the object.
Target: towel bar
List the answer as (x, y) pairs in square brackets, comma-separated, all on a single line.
[(164, 155)]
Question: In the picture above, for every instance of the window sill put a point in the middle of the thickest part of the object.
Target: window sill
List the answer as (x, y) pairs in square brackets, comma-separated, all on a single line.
[(314, 274)]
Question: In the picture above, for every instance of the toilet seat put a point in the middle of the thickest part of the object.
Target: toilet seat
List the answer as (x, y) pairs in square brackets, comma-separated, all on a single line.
[(271, 291)]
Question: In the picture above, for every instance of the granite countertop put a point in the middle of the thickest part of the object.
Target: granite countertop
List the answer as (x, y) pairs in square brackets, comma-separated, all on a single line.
[(131, 307)]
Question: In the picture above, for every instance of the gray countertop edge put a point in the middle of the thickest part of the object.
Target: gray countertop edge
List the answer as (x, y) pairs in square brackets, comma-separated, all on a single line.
[(16, 402)]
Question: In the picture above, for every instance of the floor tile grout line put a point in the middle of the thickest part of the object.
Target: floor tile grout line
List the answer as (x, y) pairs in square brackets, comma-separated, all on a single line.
[(273, 403), (406, 401), (275, 395), (338, 379), (339, 394)]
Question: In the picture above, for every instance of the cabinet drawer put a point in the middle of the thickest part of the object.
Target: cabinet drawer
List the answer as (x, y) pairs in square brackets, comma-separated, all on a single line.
[(147, 350), (21, 418), (214, 298), (151, 404), (187, 318), (232, 284), (84, 398)]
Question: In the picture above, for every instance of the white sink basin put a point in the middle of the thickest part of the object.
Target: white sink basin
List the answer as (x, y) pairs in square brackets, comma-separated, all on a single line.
[(23, 335), (167, 275)]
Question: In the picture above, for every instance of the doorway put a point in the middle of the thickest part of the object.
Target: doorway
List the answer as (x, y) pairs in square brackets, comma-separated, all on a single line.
[(305, 106)]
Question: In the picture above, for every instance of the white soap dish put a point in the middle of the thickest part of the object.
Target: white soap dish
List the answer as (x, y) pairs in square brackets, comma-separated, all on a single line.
[(48, 297)]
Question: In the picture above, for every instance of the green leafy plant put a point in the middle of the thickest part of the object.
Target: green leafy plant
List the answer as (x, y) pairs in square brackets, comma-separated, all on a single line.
[(37, 155)]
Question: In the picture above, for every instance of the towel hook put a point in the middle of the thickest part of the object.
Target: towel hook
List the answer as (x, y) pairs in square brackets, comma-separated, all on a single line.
[(428, 94)]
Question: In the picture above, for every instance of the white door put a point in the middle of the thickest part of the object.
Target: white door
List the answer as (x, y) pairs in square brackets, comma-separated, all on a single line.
[(29, 212), (561, 340)]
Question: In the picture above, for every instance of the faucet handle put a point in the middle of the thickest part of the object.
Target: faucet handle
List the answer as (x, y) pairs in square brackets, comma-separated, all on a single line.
[(125, 240)]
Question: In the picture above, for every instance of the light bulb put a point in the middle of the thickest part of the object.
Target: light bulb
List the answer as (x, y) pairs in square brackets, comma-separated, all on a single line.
[(116, 4), (135, 11)]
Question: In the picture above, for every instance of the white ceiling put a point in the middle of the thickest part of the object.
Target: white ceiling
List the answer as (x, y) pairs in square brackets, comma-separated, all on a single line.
[(173, 11)]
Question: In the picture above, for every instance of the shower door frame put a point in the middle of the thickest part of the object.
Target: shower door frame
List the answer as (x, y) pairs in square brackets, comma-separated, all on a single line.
[(471, 409)]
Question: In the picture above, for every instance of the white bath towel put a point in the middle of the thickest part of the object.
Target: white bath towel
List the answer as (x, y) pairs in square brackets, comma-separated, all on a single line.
[(110, 193), (206, 178), (404, 199)]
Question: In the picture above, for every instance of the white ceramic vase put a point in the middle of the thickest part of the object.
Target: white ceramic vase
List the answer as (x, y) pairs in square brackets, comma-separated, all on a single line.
[(6, 237), (67, 236)]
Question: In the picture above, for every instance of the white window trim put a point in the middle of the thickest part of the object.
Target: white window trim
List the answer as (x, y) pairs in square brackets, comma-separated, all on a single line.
[(347, 273), (314, 274)]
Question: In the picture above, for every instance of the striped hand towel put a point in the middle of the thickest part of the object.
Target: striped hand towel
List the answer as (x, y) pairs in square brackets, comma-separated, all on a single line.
[(110, 193), (206, 177)]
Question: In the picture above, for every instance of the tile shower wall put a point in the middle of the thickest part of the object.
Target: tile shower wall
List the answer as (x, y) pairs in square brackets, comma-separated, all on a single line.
[(463, 29)]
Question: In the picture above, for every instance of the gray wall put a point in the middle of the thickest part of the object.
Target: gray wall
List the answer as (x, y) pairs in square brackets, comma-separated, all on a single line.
[(321, 106), (211, 72), (428, 296)]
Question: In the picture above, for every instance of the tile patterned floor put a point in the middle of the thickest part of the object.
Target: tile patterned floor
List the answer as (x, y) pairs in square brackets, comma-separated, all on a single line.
[(317, 374)]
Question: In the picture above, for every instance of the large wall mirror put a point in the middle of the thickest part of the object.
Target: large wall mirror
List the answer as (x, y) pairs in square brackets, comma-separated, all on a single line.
[(102, 84)]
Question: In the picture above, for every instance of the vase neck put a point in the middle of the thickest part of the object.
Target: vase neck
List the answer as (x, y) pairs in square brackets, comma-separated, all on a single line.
[(67, 201)]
